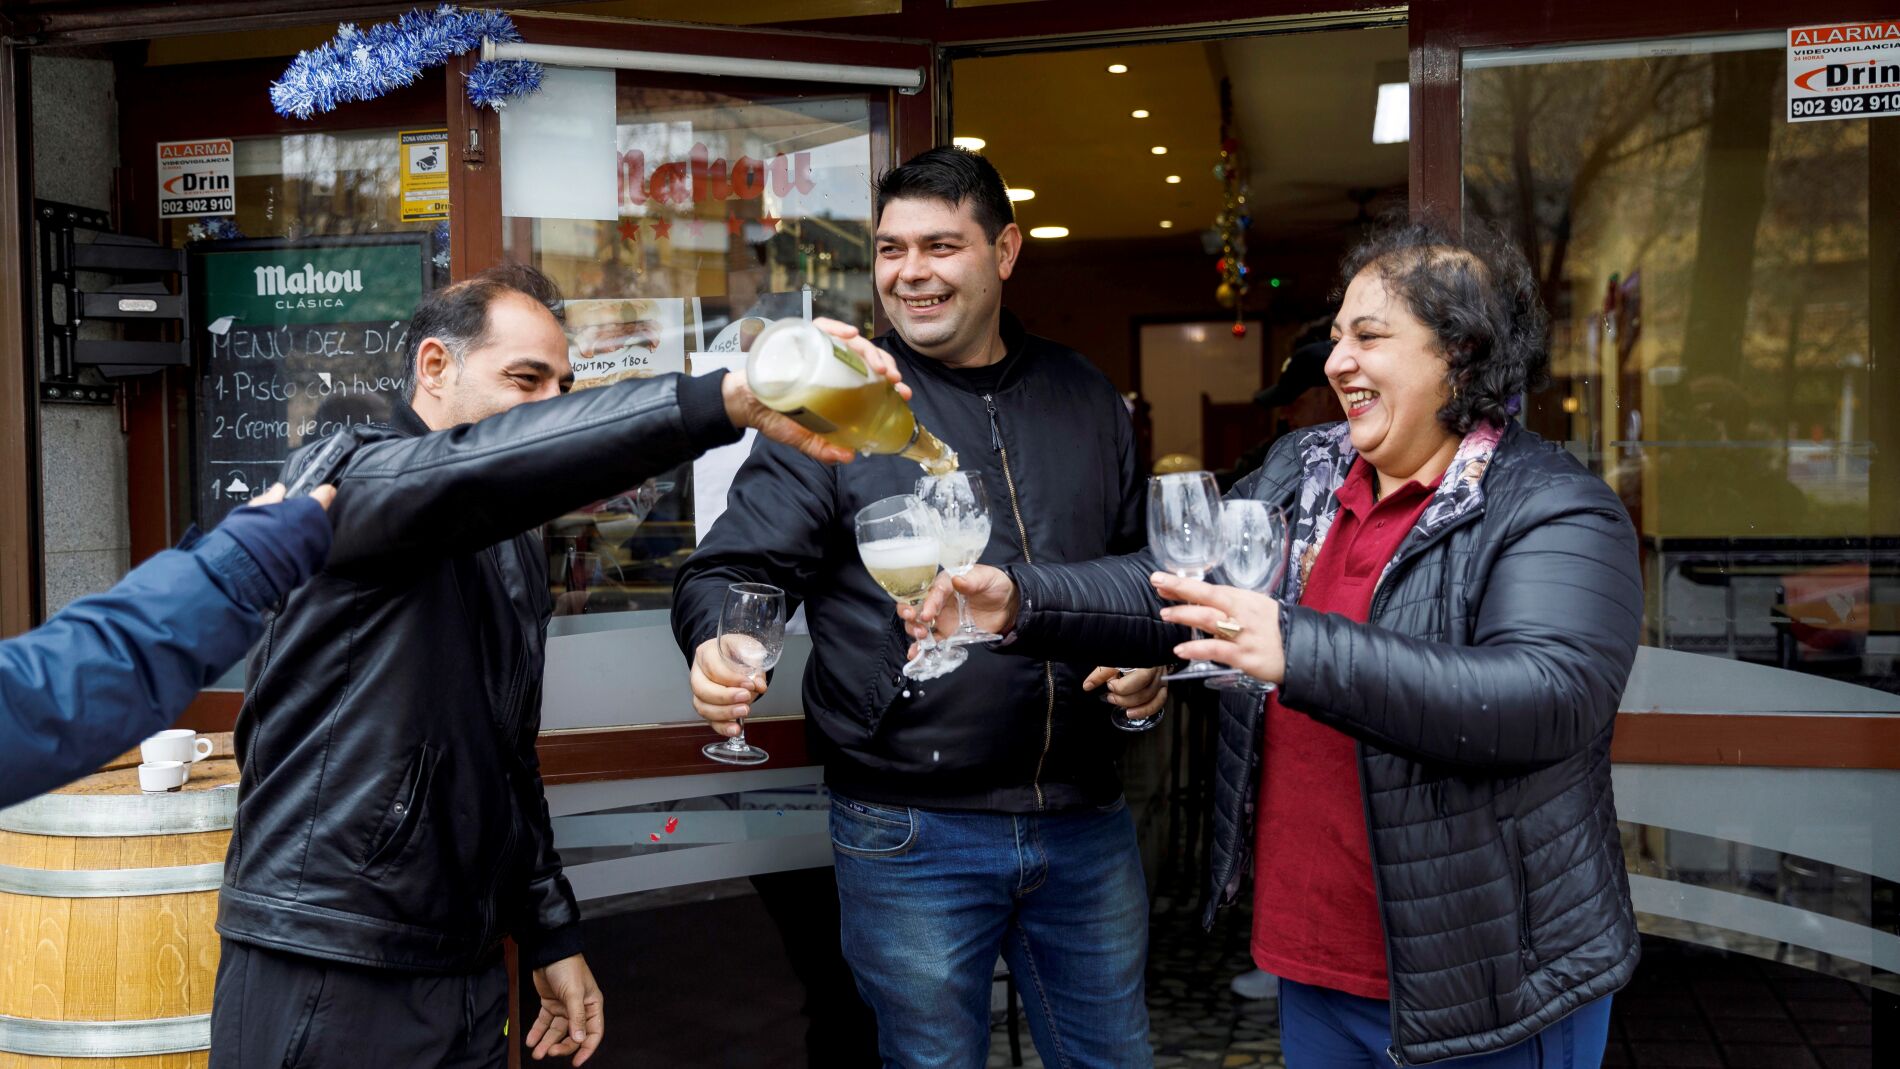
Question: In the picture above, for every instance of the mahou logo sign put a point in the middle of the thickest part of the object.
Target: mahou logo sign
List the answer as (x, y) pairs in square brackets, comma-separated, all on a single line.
[(702, 177)]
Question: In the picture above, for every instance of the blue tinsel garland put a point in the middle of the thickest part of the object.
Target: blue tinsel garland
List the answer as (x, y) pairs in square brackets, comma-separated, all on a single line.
[(365, 64)]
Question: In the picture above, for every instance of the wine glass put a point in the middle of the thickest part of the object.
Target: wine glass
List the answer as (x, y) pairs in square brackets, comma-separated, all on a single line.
[(751, 636), (900, 541), (1119, 718), (963, 509), (1253, 538), (1185, 537)]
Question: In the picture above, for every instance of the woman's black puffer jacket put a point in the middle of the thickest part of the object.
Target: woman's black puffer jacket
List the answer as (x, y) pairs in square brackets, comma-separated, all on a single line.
[(1481, 693)]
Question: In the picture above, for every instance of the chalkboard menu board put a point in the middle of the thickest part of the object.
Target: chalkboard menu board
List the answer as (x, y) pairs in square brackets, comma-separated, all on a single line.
[(296, 340)]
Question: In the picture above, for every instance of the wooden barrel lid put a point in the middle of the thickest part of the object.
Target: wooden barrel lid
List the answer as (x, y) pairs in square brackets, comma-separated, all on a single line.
[(109, 803)]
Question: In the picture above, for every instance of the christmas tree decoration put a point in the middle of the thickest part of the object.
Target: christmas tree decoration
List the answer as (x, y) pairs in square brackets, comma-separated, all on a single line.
[(1232, 222), (363, 64)]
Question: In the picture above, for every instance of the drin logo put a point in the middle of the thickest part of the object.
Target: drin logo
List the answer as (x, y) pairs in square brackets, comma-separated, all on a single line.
[(308, 288), (1837, 75), (192, 182)]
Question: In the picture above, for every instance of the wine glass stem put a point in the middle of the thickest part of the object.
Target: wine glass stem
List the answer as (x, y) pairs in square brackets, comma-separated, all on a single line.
[(964, 623), (737, 743)]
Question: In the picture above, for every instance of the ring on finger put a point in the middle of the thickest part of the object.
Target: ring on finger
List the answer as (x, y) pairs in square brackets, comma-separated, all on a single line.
[(1229, 628)]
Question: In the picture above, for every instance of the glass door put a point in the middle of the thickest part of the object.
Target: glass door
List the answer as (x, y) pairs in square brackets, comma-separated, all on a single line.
[(1718, 279), (679, 212)]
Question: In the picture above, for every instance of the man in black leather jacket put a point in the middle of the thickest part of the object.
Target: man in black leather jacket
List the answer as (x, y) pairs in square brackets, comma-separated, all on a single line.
[(391, 828), (980, 811)]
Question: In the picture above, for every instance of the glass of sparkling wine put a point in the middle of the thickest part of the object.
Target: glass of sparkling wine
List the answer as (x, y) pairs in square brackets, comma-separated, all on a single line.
[(900, 542), (963, 508), (1184, 534), (1253, 537), (752, 637)]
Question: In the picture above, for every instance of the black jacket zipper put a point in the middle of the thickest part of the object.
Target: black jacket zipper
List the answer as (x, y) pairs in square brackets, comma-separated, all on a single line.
[(1022, 532)]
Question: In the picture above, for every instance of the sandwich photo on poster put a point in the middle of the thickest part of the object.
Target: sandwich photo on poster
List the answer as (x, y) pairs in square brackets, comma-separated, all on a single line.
[(613, 339)]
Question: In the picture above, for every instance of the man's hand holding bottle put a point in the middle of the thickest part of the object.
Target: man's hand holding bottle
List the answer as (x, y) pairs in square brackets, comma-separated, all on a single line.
[(745, 409)]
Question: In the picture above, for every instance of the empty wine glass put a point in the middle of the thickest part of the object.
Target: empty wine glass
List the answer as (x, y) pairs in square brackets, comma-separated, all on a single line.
[(1119, 718), (1185, 537), (963, 510), (900, 542), (1253, 538), (751, 636)]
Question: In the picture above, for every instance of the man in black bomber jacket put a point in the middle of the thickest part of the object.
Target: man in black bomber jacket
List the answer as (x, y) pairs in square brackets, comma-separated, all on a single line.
[(390, 826), (981, 811)]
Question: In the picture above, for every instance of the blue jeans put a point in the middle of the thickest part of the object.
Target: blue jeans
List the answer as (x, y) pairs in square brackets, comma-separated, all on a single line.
[(928, 897), (1325, 1029)]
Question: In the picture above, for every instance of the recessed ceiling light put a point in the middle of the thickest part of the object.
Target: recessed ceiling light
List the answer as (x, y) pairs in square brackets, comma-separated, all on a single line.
[(1159, 150), (1118, 68), (1139, 113), (974, 144), (1049, 232), (1019, 193), (1174, 179), (1167, 224)]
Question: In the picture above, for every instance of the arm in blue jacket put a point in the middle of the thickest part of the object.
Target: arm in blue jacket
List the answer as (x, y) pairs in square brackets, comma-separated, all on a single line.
[(111, 669)]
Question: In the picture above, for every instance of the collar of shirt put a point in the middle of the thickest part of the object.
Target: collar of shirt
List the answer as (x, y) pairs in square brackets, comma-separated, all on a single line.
[(1356, 494)]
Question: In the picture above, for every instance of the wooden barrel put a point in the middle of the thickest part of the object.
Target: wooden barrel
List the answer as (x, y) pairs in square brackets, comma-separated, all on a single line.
[(107, 903)]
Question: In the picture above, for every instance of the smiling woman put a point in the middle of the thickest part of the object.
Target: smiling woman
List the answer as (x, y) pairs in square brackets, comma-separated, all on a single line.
[(1432, 340)]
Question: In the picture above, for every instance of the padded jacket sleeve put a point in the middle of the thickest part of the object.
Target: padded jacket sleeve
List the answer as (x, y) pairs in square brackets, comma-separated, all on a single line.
[(1106, 611), (460, 489), (1551, 648), (113, 668)]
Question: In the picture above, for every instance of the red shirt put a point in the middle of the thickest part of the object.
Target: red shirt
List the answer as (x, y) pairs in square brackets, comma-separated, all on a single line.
[(1315, 912)]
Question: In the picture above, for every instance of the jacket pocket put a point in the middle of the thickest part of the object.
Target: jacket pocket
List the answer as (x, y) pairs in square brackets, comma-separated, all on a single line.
[(403, 812), (859, 829), (1520, 893)]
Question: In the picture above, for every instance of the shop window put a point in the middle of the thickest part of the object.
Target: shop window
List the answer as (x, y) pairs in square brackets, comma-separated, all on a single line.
[(1713, 273), (676, 227)]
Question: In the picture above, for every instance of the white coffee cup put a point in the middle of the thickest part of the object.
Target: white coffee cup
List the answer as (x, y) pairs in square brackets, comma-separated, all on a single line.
[(179, 744), (158, 776)]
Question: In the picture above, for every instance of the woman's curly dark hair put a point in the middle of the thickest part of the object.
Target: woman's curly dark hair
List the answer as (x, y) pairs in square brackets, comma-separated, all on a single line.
[(1477, 295)]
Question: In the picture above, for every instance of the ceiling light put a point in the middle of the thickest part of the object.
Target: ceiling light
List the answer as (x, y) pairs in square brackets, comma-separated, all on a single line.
[(1139, 113), (1167, 224), (1118, 68), (1019, 193), (1392, 121), (1159, 150), (1174, 179), (1049, 232), (974, 144)]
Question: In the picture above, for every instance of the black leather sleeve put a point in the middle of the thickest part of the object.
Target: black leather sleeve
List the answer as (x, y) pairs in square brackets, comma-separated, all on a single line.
[(467, 487), (780, 514), (548, 926), (1554, 638)]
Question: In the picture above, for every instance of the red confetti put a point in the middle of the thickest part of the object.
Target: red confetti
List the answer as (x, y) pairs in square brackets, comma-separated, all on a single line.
[(654, 837), (672, 825)]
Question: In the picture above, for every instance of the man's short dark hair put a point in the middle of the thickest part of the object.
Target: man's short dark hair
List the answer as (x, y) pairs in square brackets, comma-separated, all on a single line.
[(457, 315), (953, 176), (1478, 296)]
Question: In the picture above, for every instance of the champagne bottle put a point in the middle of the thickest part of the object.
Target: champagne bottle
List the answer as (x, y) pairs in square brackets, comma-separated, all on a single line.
[(799, 370)]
